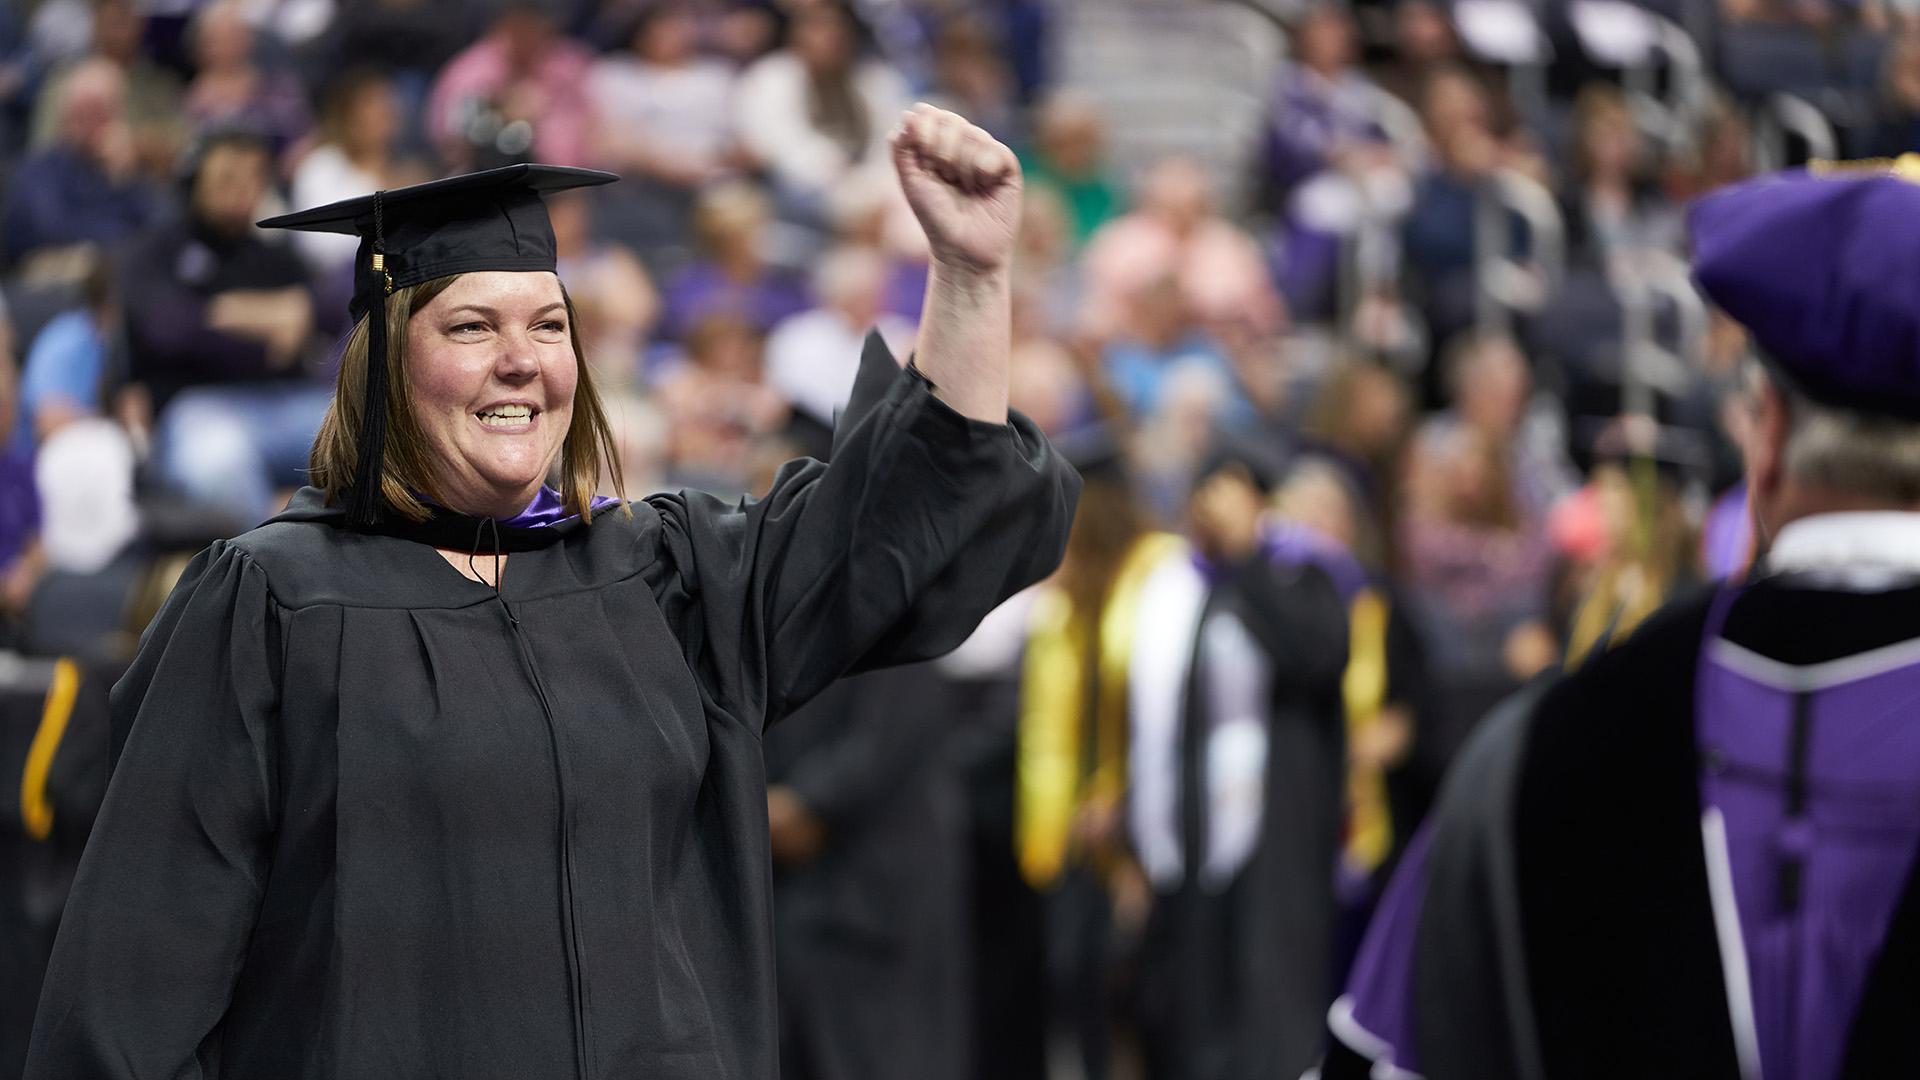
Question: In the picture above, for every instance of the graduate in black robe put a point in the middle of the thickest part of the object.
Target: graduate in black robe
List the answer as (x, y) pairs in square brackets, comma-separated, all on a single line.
[(53, 771), (865, 805), (1237, 801), (1694, 857), (383, 810)]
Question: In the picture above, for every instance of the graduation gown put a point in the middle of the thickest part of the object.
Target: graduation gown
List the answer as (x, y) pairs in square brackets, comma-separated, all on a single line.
[(870, 933), (1557, 919), (1237, 959), (374, 819), (53, 770)]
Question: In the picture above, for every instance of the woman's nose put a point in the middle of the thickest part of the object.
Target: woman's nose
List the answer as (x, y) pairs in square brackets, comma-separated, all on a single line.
[(519, 359)]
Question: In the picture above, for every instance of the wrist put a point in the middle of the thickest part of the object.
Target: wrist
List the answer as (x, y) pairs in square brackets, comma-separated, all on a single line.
[(970, 277)]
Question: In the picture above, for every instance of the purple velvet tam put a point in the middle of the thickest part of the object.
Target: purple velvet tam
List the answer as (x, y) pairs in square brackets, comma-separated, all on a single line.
[(1823, 268)]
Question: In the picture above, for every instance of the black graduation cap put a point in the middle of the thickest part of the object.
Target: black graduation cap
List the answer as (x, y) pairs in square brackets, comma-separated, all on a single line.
[(1264, 461), (1097, 451), (492, 220)]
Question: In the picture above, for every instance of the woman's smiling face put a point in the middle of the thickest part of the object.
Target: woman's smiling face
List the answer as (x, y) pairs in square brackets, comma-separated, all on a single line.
[(493, 373)]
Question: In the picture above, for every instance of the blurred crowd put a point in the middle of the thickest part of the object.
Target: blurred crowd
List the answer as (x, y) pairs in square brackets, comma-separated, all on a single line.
[(1439, 347)]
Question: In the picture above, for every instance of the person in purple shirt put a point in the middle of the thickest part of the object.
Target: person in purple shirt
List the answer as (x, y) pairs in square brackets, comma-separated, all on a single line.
[(1693, 856)]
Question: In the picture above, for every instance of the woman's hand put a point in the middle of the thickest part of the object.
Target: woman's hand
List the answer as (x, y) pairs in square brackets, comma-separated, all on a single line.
[(963, 185)]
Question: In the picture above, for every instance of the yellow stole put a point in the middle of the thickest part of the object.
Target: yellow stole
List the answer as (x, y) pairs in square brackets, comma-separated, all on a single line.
[(1363, 690), (1055, 775)]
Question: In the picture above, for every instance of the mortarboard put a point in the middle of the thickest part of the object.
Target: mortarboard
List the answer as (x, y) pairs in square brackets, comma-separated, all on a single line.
[(1097, 451), (493, 220), (1822, 266)]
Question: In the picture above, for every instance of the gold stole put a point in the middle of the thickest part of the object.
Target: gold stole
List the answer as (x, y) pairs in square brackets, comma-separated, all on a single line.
[(1363, 690), (1051, 783)]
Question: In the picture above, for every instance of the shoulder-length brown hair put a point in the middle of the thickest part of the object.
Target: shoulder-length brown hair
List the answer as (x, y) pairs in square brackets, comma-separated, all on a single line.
[(409, 471)]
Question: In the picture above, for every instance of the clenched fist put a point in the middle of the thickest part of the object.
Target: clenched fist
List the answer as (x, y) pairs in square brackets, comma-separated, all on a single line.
[(963, 186)]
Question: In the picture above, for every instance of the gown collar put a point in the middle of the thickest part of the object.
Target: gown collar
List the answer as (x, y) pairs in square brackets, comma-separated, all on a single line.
[(545, 521), (1859, 551)]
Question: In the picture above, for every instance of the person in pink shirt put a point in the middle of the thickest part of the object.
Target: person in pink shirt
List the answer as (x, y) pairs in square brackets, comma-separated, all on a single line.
[(1176, 232), (518, 93)]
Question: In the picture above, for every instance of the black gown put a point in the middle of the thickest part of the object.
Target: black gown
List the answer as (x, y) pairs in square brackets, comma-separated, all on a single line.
[(870, 932), (373, 819), (1235, 978), (1566, 929), (53, 754)]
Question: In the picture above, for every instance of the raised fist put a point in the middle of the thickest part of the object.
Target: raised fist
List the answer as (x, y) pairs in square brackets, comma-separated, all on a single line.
[(963, 185)]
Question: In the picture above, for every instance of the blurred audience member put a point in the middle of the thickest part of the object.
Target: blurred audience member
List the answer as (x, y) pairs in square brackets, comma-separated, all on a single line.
[(410, 40), (1358, 420), (84, 188), (1440, 235), (1068, 160), (517, 94), (1158, 337), (78, 607), (1325, 111), (970, 77), (1614, 209), (1175, 231), (359, 124), (22, 559), (65, 376), (230, 88), (1897, 130), (1174, 440), (719, 405), (665, 111), (152, 103), (812, 356), (732, 275), (817, 111), (1490, 389), (1649, 550), (1477, 567), (1424, 43), (1046, 275), (1723, 154), (612, 295), (1045, 383), (218, 323)]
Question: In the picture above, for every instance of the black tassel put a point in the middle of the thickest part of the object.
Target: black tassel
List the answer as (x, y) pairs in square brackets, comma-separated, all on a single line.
[(363, 501)]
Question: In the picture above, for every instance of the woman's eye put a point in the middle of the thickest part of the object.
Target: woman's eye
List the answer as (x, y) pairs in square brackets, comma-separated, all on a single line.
[(553, 327), (470, 328)]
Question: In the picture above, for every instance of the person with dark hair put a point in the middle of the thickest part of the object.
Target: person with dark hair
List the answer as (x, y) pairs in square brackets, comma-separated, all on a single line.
[(354, 155), (1693, 856), (218, 324), (815, 112), (231, 87), (379, 810)]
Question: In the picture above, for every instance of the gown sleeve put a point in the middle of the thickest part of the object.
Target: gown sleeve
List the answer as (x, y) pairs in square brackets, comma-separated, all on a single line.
[(922, 523), (157, 925)]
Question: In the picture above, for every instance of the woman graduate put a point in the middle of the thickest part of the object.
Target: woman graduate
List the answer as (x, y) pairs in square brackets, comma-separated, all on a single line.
[(443, 772)]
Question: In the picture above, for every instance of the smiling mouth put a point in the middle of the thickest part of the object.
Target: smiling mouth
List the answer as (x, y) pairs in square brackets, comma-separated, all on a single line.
[(506, 416)]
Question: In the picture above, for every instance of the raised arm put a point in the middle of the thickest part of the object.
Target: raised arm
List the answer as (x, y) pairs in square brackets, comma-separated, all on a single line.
[(936, 505), (965, 189)]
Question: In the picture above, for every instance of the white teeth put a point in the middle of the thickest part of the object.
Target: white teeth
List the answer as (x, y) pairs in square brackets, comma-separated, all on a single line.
[(505, 415)]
